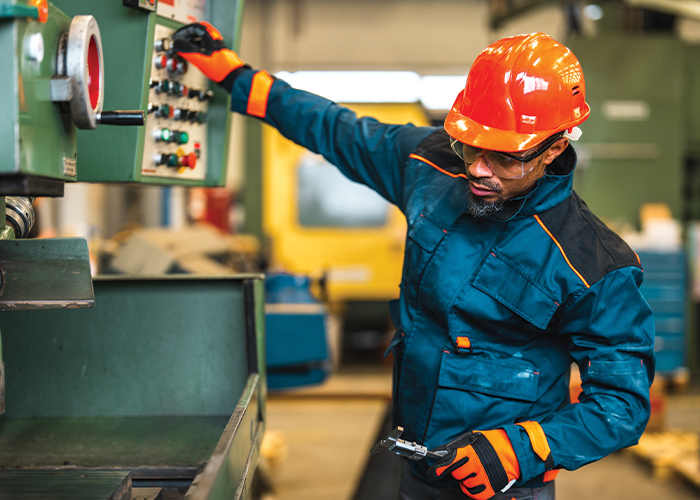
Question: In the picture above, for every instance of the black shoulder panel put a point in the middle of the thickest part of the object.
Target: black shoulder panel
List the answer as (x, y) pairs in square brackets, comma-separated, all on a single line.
[(436, 148), (593, 249)]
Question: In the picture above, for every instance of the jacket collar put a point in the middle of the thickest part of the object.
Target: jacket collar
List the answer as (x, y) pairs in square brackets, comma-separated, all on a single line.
[(553, 188)]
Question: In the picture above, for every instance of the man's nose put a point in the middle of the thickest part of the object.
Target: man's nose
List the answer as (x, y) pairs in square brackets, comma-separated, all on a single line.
[(480, 168)]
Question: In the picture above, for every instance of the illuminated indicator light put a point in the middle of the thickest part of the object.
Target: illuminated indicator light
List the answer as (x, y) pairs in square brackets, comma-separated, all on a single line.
[(163, 134)]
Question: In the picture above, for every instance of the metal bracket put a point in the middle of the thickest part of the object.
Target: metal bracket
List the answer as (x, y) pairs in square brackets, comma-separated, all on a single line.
[(61, 89)]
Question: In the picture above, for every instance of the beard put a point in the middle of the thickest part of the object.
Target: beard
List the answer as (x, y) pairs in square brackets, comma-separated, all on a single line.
[(480, 208)]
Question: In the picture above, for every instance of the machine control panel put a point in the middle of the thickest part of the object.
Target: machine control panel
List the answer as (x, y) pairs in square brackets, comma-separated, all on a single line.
[(183, 11), (176, 120)]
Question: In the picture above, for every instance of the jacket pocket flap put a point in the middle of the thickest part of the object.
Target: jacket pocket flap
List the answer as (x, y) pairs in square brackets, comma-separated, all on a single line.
[(508, 285), (426, 233), (487, 376)]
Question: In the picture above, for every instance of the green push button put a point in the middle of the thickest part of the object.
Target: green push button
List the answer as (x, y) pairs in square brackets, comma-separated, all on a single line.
[(165, 134)]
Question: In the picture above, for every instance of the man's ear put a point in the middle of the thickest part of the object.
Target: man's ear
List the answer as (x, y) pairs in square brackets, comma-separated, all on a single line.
[(555, 150)]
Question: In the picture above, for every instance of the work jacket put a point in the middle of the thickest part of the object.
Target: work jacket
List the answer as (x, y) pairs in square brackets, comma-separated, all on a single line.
[(492, 311)]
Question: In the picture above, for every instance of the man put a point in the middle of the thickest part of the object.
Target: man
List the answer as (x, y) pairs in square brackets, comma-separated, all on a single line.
[(508, 277)]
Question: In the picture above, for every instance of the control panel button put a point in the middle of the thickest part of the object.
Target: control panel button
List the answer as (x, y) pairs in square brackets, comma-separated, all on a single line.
[(167, 159), (189, 160), (162, 134), (162, 45), (161, 61)]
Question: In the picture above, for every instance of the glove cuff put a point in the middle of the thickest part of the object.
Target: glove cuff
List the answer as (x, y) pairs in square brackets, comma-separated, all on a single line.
[(227, 82), (492, 463)]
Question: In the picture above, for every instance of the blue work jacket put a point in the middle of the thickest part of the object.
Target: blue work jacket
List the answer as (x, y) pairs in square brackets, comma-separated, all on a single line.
[(492, 311)]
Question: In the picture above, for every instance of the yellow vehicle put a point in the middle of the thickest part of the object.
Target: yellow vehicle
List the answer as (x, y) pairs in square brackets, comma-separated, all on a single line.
[(321, 224)]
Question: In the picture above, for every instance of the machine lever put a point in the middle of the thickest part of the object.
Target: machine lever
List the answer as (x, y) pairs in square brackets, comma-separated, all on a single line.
[(412, 450), (129, 117)]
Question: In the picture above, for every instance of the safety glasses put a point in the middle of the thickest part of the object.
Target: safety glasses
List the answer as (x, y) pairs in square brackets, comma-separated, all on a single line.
[(504, 165)]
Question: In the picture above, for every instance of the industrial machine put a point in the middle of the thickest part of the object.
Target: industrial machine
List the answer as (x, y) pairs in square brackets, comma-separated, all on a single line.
[(111, 385)]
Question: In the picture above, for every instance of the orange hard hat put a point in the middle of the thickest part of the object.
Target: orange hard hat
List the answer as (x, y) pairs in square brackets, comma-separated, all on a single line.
[(520, 91)]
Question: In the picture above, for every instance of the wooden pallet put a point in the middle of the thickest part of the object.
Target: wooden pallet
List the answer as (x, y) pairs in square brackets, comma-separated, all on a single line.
[(671, 454)]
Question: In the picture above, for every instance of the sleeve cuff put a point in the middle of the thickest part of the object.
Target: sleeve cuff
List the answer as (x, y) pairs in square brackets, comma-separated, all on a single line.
[(531, 465)]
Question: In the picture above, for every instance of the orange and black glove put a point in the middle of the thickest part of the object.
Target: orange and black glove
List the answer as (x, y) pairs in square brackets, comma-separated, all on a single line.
[(483, 462), (201, 44)]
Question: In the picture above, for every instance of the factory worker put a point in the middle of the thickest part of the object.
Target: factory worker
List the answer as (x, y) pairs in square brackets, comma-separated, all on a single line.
[(508, 278)]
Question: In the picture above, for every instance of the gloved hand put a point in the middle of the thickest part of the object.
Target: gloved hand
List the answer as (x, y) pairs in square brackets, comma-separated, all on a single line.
[(484, 463), (202, 45)]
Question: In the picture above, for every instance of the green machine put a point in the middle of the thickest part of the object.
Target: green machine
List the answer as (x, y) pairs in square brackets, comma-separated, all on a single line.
[(632, 148), (111, 385), (185, 137), (161, 382)]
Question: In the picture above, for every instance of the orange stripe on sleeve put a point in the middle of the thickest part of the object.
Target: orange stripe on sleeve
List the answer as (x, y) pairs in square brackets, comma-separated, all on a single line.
[(425, 160), (539, 221), (259, 93), (537, 439)]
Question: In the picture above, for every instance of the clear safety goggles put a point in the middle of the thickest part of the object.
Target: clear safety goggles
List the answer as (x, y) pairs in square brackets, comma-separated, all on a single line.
[(504, 165)]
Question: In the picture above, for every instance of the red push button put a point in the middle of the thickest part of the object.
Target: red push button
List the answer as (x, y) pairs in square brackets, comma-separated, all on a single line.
[(189, 160)]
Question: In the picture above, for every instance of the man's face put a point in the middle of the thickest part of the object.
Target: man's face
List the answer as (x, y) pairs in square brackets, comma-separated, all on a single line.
[(488, 192)]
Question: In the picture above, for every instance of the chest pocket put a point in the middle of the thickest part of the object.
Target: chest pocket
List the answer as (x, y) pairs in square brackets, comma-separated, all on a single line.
[(426, 233), (509, 285)]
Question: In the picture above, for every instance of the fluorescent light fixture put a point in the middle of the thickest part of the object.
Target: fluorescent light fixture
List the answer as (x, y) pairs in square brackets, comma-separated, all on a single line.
[(440, 92), (435, 92), (358, 86)]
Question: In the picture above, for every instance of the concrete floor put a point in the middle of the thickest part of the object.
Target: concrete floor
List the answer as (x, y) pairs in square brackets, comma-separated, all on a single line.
[(318, 443)]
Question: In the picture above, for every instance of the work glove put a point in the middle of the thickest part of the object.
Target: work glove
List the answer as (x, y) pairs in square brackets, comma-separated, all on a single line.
[(202, 45), (484, 463)]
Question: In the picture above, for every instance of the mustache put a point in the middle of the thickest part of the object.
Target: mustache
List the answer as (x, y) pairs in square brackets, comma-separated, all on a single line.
[(484, 182)]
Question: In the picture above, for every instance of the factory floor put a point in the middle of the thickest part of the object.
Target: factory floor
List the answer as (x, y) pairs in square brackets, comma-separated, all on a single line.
[(318, 440)]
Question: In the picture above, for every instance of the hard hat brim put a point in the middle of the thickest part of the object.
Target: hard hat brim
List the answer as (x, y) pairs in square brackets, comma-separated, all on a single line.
[(481, 136)]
